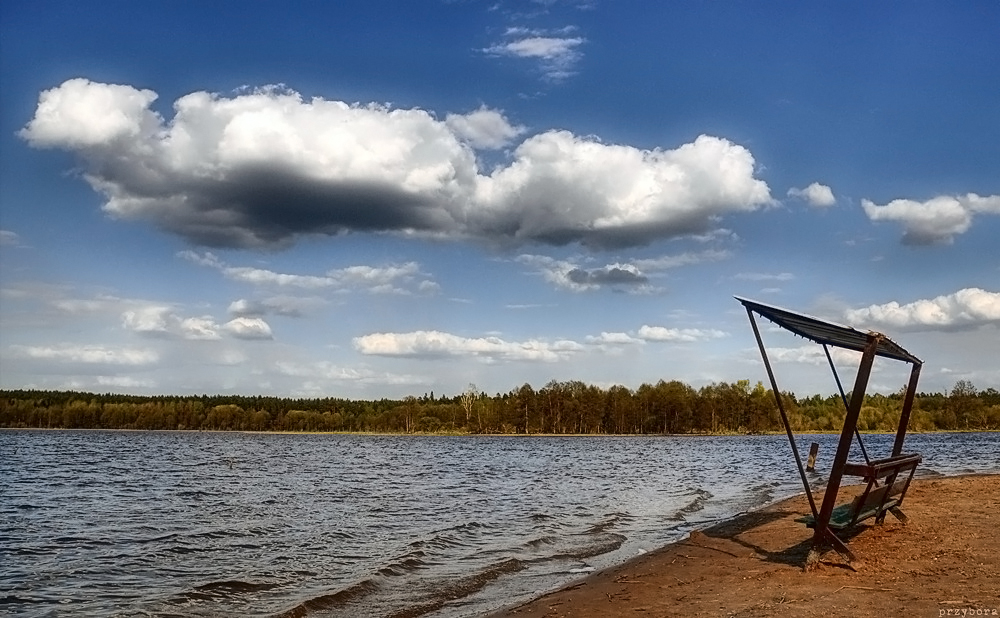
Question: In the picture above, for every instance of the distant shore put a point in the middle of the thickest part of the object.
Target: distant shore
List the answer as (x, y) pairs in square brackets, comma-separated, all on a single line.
[(945, 562), (418, 434)]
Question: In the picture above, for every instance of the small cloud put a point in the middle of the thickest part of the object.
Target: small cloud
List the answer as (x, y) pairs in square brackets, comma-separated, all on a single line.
[(163, 322), (764, 276), (556, 51), (820, 196), (966, 308), (483, 129), (634, 276), (124, 382), (392, 279), (679, 335), (813, 355), (568, 275), (606, 338), (323, 372), (87, 354), (9, 239), (436, 344), (248, 328), (936, 221), (150, 320), (202, 329)]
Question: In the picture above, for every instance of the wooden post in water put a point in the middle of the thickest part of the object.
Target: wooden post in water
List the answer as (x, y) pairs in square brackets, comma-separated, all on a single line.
[(811, 464)]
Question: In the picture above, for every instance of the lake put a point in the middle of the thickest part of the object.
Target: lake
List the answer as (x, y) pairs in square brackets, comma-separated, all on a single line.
[(239, 524)]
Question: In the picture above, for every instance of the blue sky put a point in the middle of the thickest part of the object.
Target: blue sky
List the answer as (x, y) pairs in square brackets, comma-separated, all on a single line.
[(368, 199)]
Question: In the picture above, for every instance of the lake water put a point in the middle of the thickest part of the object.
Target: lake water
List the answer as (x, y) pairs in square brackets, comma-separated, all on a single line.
[(234, 524)]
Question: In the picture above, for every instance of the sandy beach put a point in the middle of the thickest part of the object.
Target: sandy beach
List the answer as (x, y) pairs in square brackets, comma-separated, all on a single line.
[(944, 562)]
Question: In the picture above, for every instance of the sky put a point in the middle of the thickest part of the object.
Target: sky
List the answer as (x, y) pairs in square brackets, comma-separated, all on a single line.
[(381, 199)]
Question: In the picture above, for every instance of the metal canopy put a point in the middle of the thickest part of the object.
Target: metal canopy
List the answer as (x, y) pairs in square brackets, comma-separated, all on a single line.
[(828, 333)]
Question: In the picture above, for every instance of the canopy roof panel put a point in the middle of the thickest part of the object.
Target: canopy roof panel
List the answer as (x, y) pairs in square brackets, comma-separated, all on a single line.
[(828, 333)]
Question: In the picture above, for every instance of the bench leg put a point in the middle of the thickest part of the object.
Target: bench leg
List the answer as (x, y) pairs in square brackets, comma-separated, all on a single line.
[(898, 513), (812, 560)]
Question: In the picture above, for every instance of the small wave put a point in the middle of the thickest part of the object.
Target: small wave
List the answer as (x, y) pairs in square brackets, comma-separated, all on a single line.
[(234, 586), (701, 497), (610, 521), (593, 545), (438, 541), (460, 588), (545, 540), (328, 602), (404, 564), (157, 539), (464, 527)]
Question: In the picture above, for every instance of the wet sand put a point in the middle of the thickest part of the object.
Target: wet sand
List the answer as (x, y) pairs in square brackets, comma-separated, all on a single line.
[(945, 562)]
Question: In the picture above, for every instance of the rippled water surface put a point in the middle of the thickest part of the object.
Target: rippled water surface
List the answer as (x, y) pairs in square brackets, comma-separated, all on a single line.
[(175, 523)]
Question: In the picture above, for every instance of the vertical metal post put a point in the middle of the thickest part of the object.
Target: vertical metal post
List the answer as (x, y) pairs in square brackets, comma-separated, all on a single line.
[(904, 416), (784, 417), (843, 397), (844, 446)]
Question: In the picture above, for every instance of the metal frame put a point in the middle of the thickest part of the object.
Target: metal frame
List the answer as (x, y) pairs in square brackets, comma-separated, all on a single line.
[(870, 344)]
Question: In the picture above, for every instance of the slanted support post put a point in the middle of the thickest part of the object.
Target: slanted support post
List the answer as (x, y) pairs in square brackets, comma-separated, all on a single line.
[(823, 534), (781, 409), (904, 415)]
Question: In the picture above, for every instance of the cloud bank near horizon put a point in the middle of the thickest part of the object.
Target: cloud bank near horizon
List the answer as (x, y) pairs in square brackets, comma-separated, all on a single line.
[(264, 167)]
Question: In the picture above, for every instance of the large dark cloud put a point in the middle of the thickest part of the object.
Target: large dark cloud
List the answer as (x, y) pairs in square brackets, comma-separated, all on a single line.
[(261, 168)]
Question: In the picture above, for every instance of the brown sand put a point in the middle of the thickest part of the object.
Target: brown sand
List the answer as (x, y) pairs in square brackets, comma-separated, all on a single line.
[(945, 562)]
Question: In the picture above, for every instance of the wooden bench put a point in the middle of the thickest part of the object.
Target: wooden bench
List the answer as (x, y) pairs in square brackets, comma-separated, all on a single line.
[(876, 500)]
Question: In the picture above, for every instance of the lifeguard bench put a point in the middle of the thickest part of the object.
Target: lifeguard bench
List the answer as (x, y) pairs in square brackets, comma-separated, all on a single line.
[(888, 479)]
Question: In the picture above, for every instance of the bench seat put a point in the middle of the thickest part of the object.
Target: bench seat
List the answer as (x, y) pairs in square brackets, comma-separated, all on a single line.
[(875, 501)]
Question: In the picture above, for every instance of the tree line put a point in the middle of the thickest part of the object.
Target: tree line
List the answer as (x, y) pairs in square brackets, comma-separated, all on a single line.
[(557, 408)]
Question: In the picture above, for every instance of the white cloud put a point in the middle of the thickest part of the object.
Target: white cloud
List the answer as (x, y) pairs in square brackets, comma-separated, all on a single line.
[(124, 382), (764, 276), (631, 276), (485, 128), (9, 239), (680, 335), (324, 372), (163, 321), (568, 275), (966, 308), (82, 114), (262, 168), (149, 320), (815, 194), (248, 328), (247, 308), (936, 221), (260, 276), (556, 52), (436, 344), (289, 306), (386, 279), (667, 262), (87, 354), (606, 338), (203, 328), (813, 354)]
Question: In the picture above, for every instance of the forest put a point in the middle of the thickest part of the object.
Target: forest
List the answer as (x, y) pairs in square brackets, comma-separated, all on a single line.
[(557, 408)]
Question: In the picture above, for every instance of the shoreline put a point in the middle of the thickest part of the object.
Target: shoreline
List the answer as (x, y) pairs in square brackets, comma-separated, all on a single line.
[(947, 559), (493, 435)]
